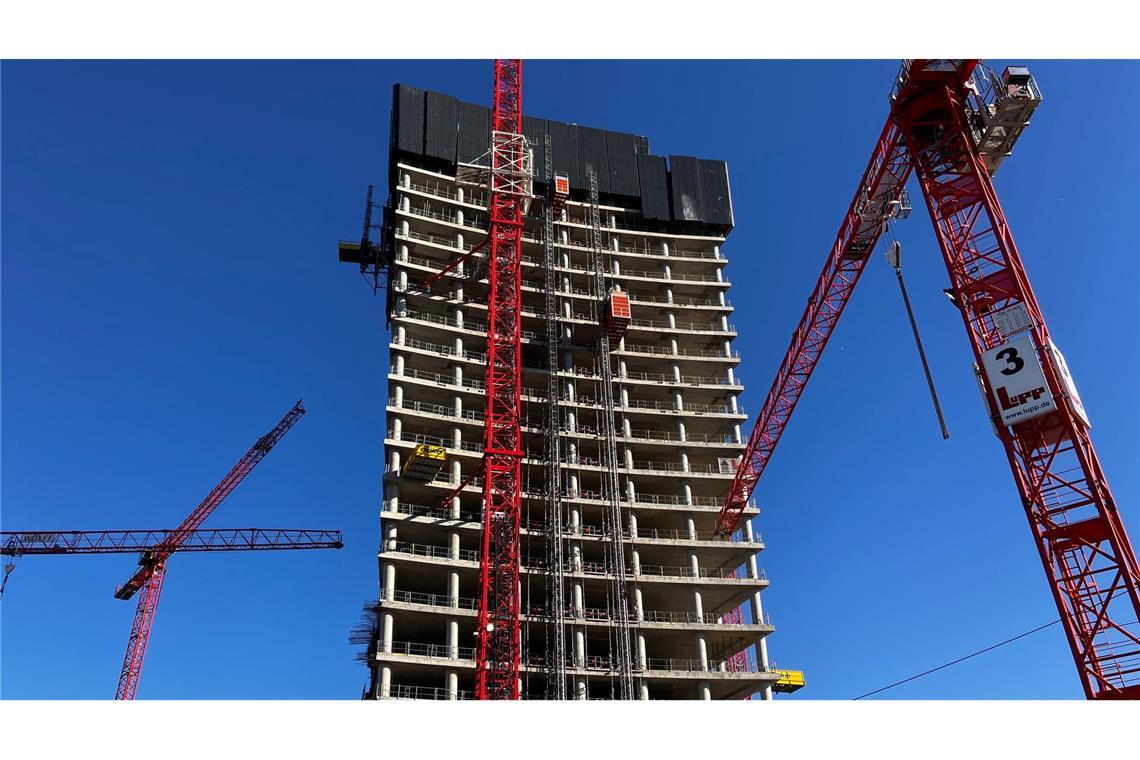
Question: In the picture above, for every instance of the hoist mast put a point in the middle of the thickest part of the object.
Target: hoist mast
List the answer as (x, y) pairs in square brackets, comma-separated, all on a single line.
[(952, 129)]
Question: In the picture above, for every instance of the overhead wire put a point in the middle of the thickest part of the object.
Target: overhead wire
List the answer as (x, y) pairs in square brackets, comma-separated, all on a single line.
[(964, 659)]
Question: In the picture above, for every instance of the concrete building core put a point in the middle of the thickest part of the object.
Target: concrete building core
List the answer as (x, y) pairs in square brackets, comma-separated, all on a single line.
[(696, 627)]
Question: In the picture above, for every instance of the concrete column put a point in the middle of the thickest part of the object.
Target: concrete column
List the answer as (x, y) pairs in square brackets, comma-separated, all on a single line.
[(683, 459), (630, 491), (623, 371), (579, 648), (405, 180), (732, 403), (385, 682), (664, 248), (691, 526), (453, 544), (681, 431), (575, 521), (698, 603), (390, 537), (571, 421), (673, 349), (702, 651), (451, 683), (405, 203), (643, 692), (579, 688), (632, 525), (459, 241), (627, 457), (615, 265), (457, 406), (720, 274), (668, 295), (635, 558), (401, 335), (389, 580), (641, 658), (736, 434), (576, 557), (667, 271), (761, 641), (459, 194), (453, 587), (624, 397), (387, 624), (577, 599), (638, 604), (686, 492), (453, 638), (704, 691), (626, 427), (694, 564), (399, 362), (397, 394), (394, 461), (716, 251), (672, 319), (572, 486), (397, 428), (678, 401), (402, 279)]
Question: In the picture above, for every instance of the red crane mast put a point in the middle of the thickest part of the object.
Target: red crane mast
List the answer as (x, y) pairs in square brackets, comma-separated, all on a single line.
[(941, 129), (499, 644), (148, 578)]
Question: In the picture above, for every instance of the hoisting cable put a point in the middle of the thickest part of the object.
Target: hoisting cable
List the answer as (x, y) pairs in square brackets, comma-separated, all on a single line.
[(893, 258), (963, 659)]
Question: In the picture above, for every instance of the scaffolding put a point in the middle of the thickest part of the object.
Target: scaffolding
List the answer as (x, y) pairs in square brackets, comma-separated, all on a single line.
[(611, 493), (556, 607)]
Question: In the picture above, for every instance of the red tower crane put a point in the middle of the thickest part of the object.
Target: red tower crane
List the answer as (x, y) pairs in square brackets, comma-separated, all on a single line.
[(152, 567), (509, 181), (951, 123)]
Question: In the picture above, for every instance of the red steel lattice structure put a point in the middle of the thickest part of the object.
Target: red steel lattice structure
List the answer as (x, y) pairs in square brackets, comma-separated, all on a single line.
[(1088, 559), (149, 577), (499, 643), (20, 543)]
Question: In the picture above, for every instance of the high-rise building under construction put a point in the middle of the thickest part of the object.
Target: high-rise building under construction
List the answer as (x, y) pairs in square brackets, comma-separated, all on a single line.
[(625, 590)]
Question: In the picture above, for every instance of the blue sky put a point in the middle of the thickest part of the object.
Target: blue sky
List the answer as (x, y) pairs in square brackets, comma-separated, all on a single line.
[(170, 287)]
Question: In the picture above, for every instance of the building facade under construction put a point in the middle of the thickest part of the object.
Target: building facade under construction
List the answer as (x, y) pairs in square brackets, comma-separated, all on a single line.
[(626, 591)]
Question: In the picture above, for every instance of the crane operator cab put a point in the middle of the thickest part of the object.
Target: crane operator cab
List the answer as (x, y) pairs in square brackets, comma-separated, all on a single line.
[(1002, 107)]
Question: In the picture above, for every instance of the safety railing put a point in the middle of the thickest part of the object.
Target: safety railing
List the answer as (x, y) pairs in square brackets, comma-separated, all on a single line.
[(442, 651), (442, 411), (402, 691), (441, 350), (432, 600), (420, 510), (427, 550), (704, 353)]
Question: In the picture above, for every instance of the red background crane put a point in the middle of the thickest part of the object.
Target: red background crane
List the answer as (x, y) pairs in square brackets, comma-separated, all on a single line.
[(152, 567), (941, 128)]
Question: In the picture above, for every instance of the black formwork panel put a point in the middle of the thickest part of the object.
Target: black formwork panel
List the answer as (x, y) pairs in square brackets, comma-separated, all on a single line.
[(685, 182), (441, 119), (621, 155), (408, 119), (592, 157), (654, 184), (716, 201), (535, 131), (564, 149), (474, 131)]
